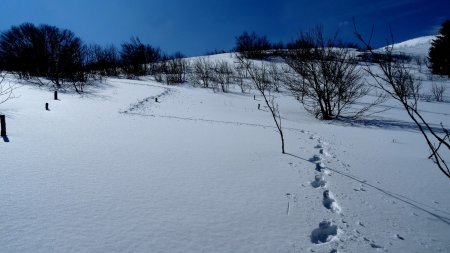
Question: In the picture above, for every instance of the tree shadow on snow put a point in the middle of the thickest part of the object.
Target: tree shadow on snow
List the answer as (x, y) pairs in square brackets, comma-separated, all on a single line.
[(390, 124)]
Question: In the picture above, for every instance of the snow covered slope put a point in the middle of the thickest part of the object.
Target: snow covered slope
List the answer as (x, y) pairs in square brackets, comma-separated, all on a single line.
[(113, 170), (416, 47)]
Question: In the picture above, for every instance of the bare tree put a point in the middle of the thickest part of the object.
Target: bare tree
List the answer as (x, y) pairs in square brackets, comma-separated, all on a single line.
[(6, 90), (330, 78), (276, 75), (102, 61), (253, 46), (172, 69), (44, 51), (241, 76), (223, 74), (438, 92), (260, 77), (201, 73), (396, 80), (136, 57)]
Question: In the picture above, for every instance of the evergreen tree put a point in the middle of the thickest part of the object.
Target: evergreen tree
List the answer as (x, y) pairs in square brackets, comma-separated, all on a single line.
[(439, 54)]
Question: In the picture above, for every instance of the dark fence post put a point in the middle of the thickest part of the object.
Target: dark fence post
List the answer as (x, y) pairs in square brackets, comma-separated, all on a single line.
[(56, 95), (259, 106), (254, 97), (3, 125), (156, 100), (46, 107)]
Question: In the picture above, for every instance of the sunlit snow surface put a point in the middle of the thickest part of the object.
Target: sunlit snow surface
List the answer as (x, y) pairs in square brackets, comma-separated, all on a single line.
[(113, 171)]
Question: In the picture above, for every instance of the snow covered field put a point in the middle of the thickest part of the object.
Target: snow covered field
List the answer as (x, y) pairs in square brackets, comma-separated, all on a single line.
[(114, 171)]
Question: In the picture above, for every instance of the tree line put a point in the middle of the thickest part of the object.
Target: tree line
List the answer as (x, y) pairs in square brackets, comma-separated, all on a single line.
[(45, 52)]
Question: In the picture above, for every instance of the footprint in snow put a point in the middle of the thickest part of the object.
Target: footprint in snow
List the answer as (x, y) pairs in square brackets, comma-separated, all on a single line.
[(320, 167), (330, 203), (324, 152), (326, 232), (315, 159), (318, 182)]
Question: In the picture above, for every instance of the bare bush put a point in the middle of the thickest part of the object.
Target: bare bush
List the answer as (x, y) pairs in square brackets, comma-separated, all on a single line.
[(223, 75), (438, 92), (171, 70), (201, 72), (241, 77), (330, 78), (276, 75)]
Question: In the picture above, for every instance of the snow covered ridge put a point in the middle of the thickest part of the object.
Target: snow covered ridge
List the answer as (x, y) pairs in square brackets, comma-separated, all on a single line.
[(417, 42), (138, 166), (416, 47)]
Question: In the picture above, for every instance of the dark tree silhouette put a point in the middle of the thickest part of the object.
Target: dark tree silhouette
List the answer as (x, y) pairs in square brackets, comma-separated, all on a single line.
[(138, 57), (252, 46), (102, 61), (439, 54), (44, 51)]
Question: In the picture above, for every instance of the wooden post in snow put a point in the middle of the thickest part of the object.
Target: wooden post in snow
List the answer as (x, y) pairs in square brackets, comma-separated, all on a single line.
[(46, 107), (3, 125), (156, 100), (56, 95), (259, 106)]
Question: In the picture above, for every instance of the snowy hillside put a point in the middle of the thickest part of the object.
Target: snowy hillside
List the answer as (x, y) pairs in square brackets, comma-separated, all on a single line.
[(416, 47), (113, 170)]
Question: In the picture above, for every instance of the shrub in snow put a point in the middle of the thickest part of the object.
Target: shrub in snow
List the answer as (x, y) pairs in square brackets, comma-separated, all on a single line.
[(326, 79)]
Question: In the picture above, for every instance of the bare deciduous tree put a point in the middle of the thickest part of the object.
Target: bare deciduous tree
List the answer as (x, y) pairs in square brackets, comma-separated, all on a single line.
[(330, 80), (173, 69), (44, 51), (260, 77), (223, 74), (396, 80), (241, 77), (136, 57), (276, 75), (201, 72), (253, 46)]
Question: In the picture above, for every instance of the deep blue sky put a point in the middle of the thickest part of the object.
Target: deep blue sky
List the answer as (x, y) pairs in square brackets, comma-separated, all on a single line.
[(197, 26)]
